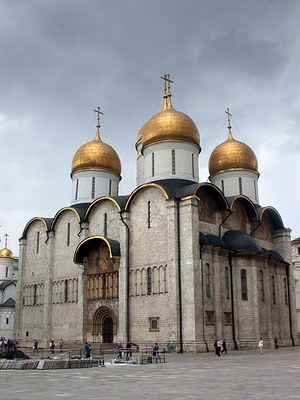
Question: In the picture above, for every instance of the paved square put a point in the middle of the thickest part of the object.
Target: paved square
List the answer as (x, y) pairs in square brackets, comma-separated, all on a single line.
[(239, 375)]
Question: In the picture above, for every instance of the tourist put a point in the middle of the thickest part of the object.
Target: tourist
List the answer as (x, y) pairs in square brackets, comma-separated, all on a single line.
[(129, 348), (224, 346), (87, 350), (261, 345), (276, 341), (35, 346), (120, 350), (52, 346), (61, 343)]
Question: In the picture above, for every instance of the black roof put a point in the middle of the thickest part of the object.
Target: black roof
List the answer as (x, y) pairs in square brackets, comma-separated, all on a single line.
[(9, 303), (241, 242)]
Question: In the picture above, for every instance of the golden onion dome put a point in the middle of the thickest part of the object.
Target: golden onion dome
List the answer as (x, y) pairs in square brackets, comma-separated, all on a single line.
[(6, 253), (232, 154), (96, 155), (168, 124)]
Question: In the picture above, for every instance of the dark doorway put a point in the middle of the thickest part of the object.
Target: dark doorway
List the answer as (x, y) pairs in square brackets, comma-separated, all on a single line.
[(108, 336)]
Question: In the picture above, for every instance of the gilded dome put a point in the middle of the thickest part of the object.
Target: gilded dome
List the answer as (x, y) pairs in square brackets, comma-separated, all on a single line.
[(232, 154), (168, 124), (96, 155), (6, 253)]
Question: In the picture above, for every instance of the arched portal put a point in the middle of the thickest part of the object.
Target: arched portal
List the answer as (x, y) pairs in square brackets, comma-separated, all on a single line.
[(104, 325)]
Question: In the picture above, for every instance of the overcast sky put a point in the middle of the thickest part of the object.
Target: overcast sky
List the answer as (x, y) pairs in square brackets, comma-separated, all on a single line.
[(60, 59)]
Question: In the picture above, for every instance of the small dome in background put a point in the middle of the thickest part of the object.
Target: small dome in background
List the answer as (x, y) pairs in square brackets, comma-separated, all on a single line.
[(232, 154)]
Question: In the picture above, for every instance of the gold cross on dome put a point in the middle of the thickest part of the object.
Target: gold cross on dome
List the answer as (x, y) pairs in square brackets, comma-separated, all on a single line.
[(166, 78), (228, 116), (6, 236), (98, 116)]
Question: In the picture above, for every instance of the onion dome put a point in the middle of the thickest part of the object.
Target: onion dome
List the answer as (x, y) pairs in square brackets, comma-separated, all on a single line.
[(231, 155), (168, 124), (6, 253), (96, 155)]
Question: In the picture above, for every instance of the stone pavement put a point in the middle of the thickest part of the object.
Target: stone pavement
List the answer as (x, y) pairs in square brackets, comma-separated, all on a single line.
[(239, 375)]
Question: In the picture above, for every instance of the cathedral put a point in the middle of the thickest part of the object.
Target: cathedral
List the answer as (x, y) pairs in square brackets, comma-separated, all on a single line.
[(176, 261)]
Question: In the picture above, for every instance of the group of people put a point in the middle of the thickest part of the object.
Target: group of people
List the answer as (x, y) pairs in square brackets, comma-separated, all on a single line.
[(220, 347), (9, 345), (127, 350)]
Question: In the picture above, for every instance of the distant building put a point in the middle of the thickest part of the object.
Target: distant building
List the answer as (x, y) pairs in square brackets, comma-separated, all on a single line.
[(296, 264), (175, 261), (8, 267)]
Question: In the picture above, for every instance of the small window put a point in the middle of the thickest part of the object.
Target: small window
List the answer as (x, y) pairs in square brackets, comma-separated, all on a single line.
[(93, 187), (149, 281), (227, 318), (34, 294), (66, 291), (222, 184), (76, 190), (153, 324), (261, 285), (68, 233), (240, 186), (193, 166), (27, 333), (7, 321), (173, 162), (298, 248), (105, 225), (273, 292), (6, 272), (153, 170), (207, 281), (286, 300), (109, 190), (209, 317), (149, 214), (244, 288), (227, 294), (37, 242)]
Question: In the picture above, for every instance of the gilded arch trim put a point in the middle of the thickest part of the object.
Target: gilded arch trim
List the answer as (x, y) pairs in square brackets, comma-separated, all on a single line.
[(82, 247)]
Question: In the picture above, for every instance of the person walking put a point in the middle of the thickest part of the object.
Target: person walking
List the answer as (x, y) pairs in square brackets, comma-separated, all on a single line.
[(261, 345), (224, 346), (35, 346), (52, 346), (276, 343)]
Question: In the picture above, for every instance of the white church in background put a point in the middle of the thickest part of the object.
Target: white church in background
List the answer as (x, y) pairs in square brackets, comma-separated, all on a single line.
[(7, 292), (175, 261)]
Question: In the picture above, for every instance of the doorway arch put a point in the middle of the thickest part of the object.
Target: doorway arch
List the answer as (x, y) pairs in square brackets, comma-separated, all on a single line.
[(104, 325)]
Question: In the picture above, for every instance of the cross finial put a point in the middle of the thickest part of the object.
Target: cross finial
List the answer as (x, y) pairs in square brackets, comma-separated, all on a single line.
[(98, 116), (6, 236), (98, 121), (168, 82), (229, 124)]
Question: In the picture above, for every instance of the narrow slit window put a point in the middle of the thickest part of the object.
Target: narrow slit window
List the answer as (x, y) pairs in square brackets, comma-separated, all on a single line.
[(193, 166), (93, 187), (149, 214), (223, 187), (173, 163), (76, 189), (273, 292), (261, 285), (153, 169), (68, 234), (244, 286), (109, 191), (105, 225), (227, 293), (240, 186), (149, 281), (37, 242), (207, 281)]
